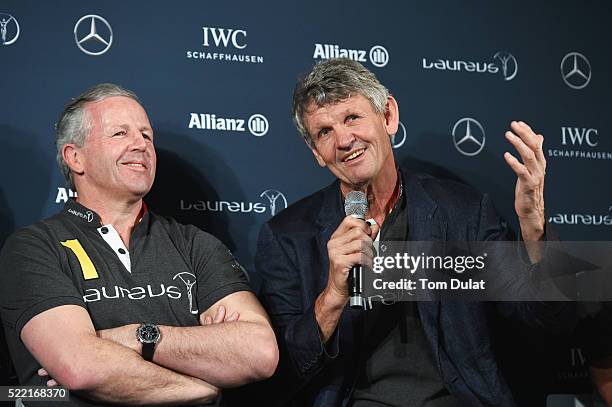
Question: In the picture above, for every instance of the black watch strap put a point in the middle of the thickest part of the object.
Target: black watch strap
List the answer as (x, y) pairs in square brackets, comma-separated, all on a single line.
[(148, 349), (148, 335)]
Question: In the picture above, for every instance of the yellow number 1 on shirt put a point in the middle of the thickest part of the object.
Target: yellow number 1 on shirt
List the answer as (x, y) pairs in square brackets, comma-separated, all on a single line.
[(89, 270)]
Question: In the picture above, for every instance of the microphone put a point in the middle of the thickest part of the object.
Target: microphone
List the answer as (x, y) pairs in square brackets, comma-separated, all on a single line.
[(356, 205)]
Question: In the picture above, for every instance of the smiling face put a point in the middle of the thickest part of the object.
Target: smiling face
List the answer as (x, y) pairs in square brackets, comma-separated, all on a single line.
[(117, 160), (352, 140)]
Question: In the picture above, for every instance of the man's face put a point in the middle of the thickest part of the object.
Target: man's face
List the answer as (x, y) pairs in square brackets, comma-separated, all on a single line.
[(351, 139), (118, 157)]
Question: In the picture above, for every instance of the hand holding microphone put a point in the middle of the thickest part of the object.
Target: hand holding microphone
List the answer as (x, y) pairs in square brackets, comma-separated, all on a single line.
[(349, 248)]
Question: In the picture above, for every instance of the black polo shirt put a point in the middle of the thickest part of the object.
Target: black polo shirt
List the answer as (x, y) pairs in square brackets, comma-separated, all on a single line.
[(170, 274)]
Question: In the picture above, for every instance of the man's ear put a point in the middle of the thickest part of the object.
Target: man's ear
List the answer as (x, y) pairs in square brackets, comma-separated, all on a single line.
[(73, 158), (391, 116)]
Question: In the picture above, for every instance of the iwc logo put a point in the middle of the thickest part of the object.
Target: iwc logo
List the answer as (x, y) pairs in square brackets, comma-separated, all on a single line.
[(579, 143), (224, 44)]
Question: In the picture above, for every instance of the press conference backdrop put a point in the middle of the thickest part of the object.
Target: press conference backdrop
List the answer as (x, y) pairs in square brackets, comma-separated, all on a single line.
[(216, 79)]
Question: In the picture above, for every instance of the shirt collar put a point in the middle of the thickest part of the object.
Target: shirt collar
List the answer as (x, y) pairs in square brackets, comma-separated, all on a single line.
[(88, 217), (81, 214)]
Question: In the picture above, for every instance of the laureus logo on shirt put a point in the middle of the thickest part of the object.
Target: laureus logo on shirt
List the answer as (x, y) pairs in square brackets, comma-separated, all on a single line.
[(150, 291), (132, 293), (189, 280), (88, 216)]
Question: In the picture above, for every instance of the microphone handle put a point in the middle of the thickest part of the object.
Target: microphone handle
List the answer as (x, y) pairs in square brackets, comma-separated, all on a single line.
[(355, 287)]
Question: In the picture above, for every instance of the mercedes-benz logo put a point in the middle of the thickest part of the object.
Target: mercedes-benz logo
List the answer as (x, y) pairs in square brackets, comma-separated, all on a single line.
[(398, 140), (273, 195), (7, 22), (508, 64), (575, 70), (99, 37), (471, 140)]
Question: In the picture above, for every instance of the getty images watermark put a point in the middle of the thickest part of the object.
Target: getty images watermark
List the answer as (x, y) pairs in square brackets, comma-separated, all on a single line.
[(420, 264), (488, 271)]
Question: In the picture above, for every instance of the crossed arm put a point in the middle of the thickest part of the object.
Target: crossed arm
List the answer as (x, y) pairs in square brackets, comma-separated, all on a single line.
[(223, 354), (189, 362)]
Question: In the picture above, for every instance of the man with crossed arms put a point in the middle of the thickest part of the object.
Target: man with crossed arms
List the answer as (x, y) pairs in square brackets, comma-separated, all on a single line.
[(114, 302)]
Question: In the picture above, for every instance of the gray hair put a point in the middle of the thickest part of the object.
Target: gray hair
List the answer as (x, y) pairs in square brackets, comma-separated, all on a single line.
[(74, 124), (331, 81)]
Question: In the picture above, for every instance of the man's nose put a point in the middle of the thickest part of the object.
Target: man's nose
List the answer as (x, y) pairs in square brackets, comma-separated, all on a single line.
[(138, 141), (344, 138)]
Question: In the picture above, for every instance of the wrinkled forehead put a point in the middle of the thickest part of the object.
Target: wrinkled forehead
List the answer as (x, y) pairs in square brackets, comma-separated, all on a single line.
[(320, 115), (316, 111), (355, 100)]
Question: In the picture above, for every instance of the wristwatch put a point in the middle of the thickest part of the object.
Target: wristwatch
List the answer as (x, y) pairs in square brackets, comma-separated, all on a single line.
[(148, 335)]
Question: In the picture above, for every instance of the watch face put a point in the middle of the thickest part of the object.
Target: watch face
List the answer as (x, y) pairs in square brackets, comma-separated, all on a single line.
[(148, 333)]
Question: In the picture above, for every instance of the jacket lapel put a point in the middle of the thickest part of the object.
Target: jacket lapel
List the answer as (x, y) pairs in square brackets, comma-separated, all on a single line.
[(329, 217)]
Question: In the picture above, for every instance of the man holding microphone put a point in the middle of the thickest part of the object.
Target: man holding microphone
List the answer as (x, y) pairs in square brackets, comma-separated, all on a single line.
[(408, 353)]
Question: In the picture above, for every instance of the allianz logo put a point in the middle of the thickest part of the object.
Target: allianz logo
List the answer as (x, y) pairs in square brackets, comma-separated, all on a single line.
[(378, 55), (328, 51), (257, 124), (506, 64), (582, 219), (272, 199)]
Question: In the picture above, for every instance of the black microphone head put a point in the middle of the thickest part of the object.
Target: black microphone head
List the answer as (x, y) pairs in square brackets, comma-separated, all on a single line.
[(356, 204)]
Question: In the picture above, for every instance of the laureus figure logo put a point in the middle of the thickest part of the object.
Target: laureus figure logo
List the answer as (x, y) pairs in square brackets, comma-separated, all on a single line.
[(508, 64), (189, 280), (273, 195), (5, 20)]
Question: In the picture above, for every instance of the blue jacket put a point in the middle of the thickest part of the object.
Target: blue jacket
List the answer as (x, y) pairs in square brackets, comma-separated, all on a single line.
[(292, 260)]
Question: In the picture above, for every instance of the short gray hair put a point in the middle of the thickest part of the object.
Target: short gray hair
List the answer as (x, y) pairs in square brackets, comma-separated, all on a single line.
[(74, 125), (331, 81)]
